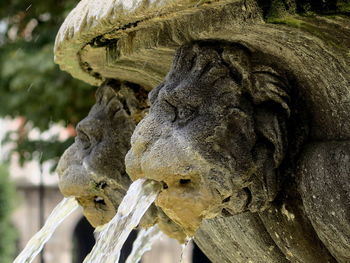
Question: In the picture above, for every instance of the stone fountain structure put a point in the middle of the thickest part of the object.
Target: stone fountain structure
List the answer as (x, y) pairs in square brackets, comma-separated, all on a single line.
[(246, 124)]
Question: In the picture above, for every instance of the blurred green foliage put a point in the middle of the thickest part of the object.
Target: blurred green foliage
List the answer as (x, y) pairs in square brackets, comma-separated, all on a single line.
[(7, 231), (31, 85), (42, 150)]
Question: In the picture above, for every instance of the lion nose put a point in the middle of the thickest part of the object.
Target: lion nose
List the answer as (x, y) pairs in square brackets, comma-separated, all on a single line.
[(72, 178), (74, 182), (145, 133), (143, 139), (184, 198), (64, 161), (158, 159)]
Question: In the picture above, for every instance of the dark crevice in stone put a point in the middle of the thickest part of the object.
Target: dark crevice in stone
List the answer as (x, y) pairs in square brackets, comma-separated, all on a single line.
[(249, 195), (101, 185), (99, 200), (278, 8), (265, 6), (87, 68), (232, 72), (101, 41), (227, 199), (113, 83), (125, 106), (165, 186), (185, 181), (224, 212), (130, 25)]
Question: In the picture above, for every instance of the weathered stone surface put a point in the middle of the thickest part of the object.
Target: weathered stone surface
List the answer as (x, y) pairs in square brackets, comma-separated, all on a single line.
[(325, 187), (291, 230), (241, 238)]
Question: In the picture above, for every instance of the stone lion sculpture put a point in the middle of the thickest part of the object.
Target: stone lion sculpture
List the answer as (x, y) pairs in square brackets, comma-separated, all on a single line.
[(226, 136), (91, 169), (216, 135)]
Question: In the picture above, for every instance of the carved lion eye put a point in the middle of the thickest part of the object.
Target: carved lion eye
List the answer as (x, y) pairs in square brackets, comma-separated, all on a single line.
[(83, 139), (179, 113), (170, 111), (184, 113)]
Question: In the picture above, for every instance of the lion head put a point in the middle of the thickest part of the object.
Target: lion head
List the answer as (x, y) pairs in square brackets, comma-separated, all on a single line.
[(92, 169), (215, 135)]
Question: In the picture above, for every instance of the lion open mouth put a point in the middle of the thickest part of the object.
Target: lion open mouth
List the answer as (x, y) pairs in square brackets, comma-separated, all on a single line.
[(99, 200)]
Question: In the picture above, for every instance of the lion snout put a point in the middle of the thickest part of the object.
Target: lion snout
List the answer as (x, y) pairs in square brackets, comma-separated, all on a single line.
[(170, 160)]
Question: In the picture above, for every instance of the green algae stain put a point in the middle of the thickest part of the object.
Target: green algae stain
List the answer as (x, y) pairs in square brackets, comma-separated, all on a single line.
[(288, 20)]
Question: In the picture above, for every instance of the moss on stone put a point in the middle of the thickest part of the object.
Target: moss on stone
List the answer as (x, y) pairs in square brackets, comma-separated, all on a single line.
[(309, 24), (287, 20)]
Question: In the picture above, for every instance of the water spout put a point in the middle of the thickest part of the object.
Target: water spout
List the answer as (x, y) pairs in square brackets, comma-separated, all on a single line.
[(111, 237), (183, 248), (37, 242)]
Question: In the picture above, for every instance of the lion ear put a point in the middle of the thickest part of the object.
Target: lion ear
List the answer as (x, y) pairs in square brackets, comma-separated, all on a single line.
[(269, 92), (271, 127), (267, 86)]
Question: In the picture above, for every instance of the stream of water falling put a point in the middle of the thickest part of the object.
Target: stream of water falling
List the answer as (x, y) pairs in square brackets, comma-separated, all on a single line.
[(111, 237), (37, 242), (143, 243), (183, 248)]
